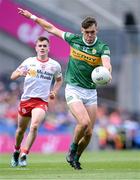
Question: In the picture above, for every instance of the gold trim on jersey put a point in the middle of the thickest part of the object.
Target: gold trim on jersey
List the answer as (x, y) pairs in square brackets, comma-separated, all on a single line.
[(90, 59), (32, 73)]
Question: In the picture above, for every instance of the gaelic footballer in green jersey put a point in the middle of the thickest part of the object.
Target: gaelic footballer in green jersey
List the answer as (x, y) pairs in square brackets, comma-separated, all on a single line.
[(83, 59)]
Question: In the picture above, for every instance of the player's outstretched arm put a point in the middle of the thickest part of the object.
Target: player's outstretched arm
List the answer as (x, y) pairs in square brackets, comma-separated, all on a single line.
[(43, 23), (106, 63)]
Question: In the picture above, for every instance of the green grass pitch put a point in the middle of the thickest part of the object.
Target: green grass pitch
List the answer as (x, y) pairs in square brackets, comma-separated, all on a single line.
[(103, 165)]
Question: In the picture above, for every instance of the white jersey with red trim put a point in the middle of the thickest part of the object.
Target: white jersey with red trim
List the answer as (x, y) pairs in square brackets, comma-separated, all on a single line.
[(38, 81)]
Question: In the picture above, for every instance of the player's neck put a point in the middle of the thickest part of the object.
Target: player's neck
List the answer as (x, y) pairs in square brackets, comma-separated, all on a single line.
[(42, 58), (88, 43)]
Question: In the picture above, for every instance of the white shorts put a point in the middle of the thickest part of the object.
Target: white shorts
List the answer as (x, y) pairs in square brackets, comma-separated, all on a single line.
[(76, 93)]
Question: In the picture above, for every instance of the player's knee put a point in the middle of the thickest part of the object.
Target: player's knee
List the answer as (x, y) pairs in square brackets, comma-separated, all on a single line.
[(34, 128)]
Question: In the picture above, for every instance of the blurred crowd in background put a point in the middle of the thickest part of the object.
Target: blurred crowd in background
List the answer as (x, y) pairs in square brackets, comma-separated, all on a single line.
[(114, 128)]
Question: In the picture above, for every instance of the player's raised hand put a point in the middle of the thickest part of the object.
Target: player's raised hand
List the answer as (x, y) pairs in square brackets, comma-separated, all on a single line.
[(25, 13)]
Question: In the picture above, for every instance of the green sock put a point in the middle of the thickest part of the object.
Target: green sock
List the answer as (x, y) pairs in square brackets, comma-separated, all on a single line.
[(74, 147), (77, 157)]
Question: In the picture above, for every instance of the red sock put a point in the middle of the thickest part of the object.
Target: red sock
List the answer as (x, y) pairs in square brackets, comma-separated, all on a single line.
[(17, 148), (25, 151)]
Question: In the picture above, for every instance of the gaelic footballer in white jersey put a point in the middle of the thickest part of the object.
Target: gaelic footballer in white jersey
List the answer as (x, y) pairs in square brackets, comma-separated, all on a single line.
[(39, 77)]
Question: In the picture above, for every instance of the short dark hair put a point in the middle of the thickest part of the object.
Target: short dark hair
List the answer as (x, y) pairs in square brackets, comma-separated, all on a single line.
[(42, 38), (88, 21)]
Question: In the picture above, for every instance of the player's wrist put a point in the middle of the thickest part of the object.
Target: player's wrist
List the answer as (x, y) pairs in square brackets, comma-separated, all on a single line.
[(33, 17)]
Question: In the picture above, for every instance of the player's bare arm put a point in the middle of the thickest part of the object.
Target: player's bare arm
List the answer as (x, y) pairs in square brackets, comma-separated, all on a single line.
[(18, 73), (15, 75), (106, 63), (43, 23), (56, 87)]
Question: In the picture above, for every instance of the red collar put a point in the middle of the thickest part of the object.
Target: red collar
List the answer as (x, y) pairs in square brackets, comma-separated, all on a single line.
[(43, 60)]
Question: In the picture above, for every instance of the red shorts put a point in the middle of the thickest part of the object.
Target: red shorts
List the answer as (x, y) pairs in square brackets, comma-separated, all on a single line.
[(25, 107)]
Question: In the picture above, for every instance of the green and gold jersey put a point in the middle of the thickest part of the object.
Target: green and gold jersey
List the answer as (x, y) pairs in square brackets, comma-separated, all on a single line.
[(83, 59)]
